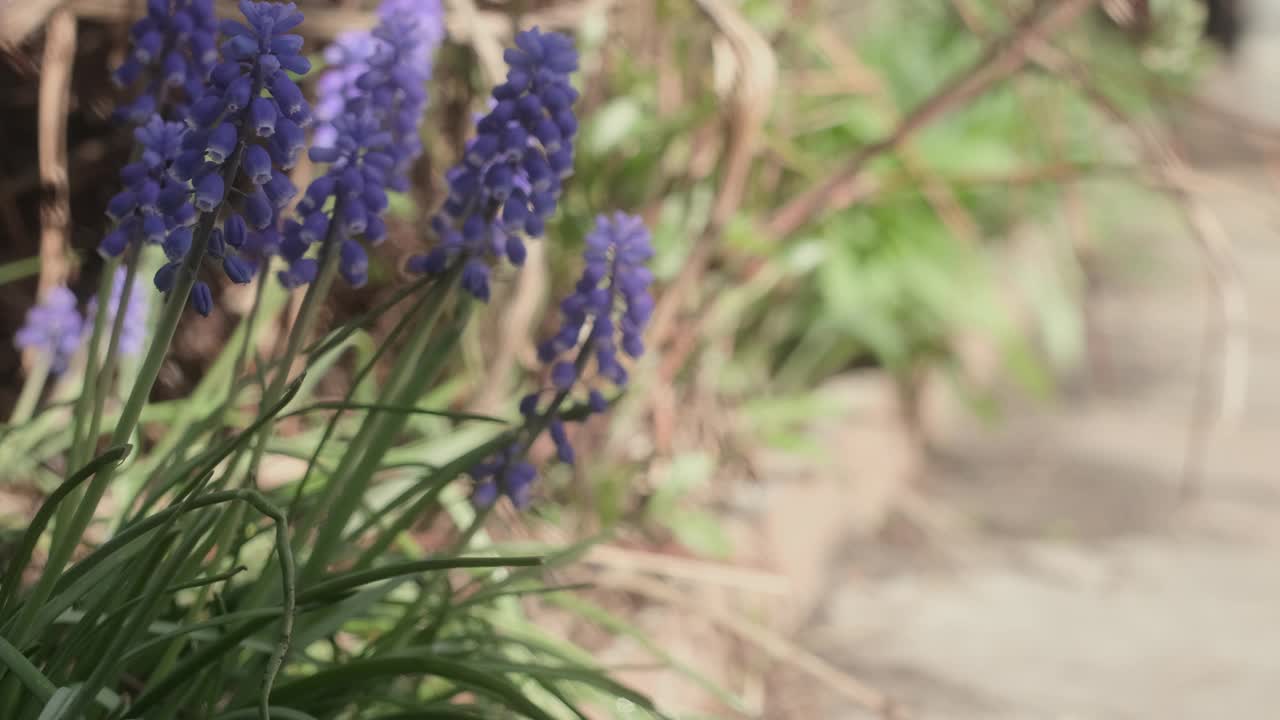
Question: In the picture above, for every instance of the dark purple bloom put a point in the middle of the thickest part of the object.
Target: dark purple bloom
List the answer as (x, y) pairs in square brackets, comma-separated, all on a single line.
[(419, 25), (509, 180), (503, 474), (173, 52), (374, 140), (606, 313), (53, 328), (154, 205), (244, 130)]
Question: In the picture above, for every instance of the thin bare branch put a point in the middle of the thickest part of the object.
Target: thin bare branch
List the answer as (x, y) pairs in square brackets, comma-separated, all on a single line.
[(55, 98)]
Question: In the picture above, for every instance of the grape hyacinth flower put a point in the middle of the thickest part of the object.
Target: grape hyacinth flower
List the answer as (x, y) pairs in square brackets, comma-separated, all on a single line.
[(54, 328), (245, 132), (375, 141), (604, 316), (509, 180), (133, 331), (420, 23), (172, 52), (154, 206)]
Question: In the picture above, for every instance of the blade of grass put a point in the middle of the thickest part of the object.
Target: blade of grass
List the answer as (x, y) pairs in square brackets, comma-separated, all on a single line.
[(349, 581), (29, 674), (400, 409), (19, 269), (370, 670), (13, 576)]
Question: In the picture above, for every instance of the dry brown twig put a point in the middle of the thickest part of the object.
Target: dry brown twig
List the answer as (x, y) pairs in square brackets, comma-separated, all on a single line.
[(754, 76), (55, 200)]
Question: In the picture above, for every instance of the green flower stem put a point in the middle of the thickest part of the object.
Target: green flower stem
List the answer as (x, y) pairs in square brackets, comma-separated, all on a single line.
[(32, 389), (332, 424), (250, 333), (113, 351), (408, 380), (535, 428), (302, 326), (222, 535), (67, 536), (162, 579), (79, 454)]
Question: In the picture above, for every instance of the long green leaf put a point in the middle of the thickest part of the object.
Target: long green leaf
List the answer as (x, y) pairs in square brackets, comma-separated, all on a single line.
[(357, 672), (29, 674), (401, 409), (350, 581), (277, 711), (458, 712), (340, 334), (586, 676), (437, 479), (56, 706), (19, 269), (111, 457), (92, 578), (171, 631), (195, 665)]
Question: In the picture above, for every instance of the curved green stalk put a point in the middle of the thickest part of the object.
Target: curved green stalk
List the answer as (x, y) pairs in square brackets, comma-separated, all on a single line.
[(32, 389), (103, 385), (79, 455), (311, 303)]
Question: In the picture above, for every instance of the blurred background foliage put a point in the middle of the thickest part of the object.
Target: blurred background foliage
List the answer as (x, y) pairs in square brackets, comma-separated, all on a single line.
[(900, 267)]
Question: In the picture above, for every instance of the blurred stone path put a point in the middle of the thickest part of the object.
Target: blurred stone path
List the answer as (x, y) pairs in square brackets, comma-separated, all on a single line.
[(1079, 588)]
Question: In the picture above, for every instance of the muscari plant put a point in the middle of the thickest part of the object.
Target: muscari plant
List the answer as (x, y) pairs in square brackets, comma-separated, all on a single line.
[(198, 591)]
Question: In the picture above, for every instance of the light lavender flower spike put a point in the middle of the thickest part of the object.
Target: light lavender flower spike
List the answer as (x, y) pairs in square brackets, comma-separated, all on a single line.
[(53, 327), (348, 59), (133, 332)]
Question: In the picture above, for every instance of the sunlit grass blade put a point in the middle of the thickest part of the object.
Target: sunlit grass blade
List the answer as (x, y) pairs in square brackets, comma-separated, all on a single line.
[(438, 479), (340, 584), (56, 706), (618, 626), (400, 409), (584, 675)]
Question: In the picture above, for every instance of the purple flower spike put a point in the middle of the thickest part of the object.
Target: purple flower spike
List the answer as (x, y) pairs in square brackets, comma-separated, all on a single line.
[(173, 52), (53, 328), (503, 474), (244, 129), (608, 309), (418, 27), (133, 331), (371, 105), (154, 203), (509, 181)]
